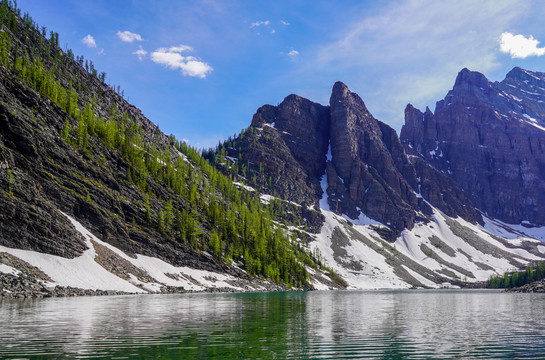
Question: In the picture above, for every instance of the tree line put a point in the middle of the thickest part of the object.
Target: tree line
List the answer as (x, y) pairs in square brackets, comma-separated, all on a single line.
[(208, 211), (532, 273)]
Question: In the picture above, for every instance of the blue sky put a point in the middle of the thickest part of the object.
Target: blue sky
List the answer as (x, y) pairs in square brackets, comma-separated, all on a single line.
[(200, 69)]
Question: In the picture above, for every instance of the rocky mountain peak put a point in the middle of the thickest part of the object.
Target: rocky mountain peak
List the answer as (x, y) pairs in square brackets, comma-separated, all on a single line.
[(339, 90), (367, 173), (370, 172), (489, 138), (471, 89), (467, 77), (418, 126), (360, 160), (342, 99), (520, 74), (472, 84)]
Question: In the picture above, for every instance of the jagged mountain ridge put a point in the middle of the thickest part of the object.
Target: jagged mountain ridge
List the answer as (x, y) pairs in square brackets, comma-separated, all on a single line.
[(390, 218), (489, 138), (285, 153)]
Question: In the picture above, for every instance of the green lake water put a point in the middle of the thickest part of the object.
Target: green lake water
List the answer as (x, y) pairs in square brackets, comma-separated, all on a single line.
[(305, 325)]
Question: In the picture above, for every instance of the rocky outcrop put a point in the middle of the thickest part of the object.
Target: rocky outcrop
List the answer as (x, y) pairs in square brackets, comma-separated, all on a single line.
[(364, 174), (371, 170), (294, 137), (290, 148), (489, 138), (533, 287)]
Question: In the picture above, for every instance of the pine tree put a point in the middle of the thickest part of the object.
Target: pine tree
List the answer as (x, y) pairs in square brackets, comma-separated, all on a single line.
[(148, 209), (215, 244), (168, 215)]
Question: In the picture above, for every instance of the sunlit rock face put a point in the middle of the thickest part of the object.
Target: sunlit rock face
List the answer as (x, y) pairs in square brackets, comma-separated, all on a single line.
[(489, 138)]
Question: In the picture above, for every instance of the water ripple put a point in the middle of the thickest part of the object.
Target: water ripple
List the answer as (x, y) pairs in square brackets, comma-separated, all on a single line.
[(315, 325)]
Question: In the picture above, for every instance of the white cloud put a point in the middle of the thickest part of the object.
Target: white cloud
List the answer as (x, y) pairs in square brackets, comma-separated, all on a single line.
[(266, 24), (260, 23), (285, 23), (180, 48), (141, 53), (293, 53), (127, 36), (519, 46), (172, 58), (89, 41)]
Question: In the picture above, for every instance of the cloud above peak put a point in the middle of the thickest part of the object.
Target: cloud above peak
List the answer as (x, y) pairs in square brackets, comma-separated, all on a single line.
[(519, 46), (173, 59), (89, 40), (127, 36)]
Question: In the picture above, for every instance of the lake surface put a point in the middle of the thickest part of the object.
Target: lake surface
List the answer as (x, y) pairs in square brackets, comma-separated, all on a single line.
[(315, 325)]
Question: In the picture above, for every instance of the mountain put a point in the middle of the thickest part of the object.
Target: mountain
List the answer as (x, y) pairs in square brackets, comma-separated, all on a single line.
[(94, 196), (389, 216), (287, 149), (489, 138), (95, 199)]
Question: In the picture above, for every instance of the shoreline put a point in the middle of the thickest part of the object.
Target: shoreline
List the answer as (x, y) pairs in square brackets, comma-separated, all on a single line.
[(28, 287)]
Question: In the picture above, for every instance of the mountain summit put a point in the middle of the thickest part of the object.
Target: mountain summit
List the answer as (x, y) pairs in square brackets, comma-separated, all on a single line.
[(489, 138), (342, 154)]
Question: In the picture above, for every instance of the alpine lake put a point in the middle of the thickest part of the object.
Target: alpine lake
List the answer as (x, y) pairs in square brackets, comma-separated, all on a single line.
[(387, 324)]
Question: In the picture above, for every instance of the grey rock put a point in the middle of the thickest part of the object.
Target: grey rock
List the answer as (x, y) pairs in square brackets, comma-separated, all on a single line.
[(488, 137)]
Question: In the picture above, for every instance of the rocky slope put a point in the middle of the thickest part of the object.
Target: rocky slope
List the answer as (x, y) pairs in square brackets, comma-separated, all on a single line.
[(489, 138), (390, 218), (74, 152)]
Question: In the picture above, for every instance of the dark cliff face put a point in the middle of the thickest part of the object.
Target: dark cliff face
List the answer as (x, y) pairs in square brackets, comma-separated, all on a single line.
[(363, 172), (294, 137), (368, 170), (490, 139)]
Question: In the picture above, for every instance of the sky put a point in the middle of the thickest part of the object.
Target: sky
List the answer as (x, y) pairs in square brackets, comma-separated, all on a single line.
[(200, 69)]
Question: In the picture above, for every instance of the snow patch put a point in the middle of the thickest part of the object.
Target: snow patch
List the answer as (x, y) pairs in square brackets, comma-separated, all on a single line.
[(362, 219), (83, 272), (232, 159), (529, 118), (421, 279), (266, 199), (365, 264), (324, 205), (374, 273), (529, 92), (513, 231), (530, 74), (244, 186), (6, 269)]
